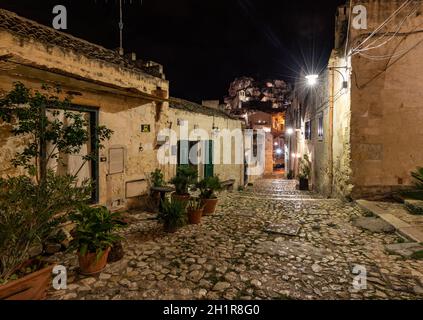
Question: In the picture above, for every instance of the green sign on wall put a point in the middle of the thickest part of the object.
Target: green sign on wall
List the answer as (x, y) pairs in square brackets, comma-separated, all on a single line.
[(145, 128)]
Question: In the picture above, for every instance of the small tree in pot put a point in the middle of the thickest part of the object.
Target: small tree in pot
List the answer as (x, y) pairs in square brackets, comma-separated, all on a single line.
[(184, 178), (304, 174), (208, 188), (94, 236)]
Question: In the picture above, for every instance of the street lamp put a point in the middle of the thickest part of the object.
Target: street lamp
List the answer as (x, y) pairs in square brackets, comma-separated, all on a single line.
[(289, 131), (312, 79)]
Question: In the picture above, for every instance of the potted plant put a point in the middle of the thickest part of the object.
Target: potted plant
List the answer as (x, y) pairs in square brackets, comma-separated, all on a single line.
[(156, 181), (184, 178), (208, 188), (94, 236), (304, 174), (195, 210), (416, 191), (157, 178), (28, 217), (32, 206), (173, 215)]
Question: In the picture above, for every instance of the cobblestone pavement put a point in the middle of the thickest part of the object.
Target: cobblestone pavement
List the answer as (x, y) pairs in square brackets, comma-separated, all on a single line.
[(232, 255)]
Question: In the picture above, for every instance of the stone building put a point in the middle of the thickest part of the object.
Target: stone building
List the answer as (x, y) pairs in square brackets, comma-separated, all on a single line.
[(129, 96), (361, 124), (205, 126), (108, 89)]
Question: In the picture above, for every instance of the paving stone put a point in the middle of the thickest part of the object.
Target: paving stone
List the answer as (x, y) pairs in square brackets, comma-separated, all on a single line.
[(221, 286), (373, 224)]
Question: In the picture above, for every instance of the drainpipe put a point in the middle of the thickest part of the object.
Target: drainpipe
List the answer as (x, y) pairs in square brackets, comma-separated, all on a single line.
[(331, 108)]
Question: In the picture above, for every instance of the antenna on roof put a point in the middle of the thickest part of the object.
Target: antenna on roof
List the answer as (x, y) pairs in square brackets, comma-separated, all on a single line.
[(121, 25)]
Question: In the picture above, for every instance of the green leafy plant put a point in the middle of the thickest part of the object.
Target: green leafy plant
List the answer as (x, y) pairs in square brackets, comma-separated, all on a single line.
[(157, 178), (28, 214), (416, 192), (95, 230), (418, 178), (184, 178), (195, 204), (31, 204), (173, 214), (305, 168), (208, 187), (37, 115)]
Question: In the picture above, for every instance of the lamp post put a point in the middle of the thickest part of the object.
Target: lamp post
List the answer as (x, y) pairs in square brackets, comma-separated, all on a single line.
[(312, 79)]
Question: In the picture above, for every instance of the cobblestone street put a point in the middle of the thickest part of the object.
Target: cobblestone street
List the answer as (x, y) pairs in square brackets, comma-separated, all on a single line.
[(234, 254)]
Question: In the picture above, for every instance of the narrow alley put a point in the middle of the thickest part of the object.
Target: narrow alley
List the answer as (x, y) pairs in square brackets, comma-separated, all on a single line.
[(242, 253)]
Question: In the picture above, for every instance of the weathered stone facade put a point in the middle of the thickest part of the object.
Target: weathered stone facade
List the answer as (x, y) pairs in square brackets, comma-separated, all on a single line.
[(372, 128), (121, 95)]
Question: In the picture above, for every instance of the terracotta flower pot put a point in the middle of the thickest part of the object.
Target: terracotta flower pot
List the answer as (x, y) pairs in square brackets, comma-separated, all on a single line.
[(89, 265), (194, 217), (181, 198), (209, 206), (31, 287)]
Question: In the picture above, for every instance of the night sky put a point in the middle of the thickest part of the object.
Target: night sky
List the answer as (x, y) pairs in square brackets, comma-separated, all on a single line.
[(205, 44)]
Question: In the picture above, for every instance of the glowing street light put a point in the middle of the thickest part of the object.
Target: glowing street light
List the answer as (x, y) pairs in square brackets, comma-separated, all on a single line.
[(279, 151), (312, 79), (290, 131)]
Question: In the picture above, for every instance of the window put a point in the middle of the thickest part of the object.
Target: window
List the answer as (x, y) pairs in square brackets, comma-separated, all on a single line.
[(320, 128), (308, 130)]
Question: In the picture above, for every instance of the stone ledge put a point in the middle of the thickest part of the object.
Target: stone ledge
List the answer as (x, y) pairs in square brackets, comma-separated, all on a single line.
[(405, 229)]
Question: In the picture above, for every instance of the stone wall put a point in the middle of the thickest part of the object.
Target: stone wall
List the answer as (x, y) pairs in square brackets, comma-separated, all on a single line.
[(387, 115)]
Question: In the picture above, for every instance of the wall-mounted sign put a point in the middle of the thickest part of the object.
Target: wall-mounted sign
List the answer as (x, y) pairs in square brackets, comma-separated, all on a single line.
[(145, 128)]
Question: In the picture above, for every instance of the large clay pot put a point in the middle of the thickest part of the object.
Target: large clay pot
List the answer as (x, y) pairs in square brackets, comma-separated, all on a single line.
[(90, 265), (194, 216), (31, 287), (209, 206), (182, 198)]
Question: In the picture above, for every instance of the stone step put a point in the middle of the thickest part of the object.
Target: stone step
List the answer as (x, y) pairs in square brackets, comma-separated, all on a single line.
[(387, 214)]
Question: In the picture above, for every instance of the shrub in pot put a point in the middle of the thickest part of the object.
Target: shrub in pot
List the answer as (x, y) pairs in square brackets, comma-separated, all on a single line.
[(208, 188), (195, 210), (30, 205), (94, 236), (28, 217), (304, 174), (184, 178), (173, 215)]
